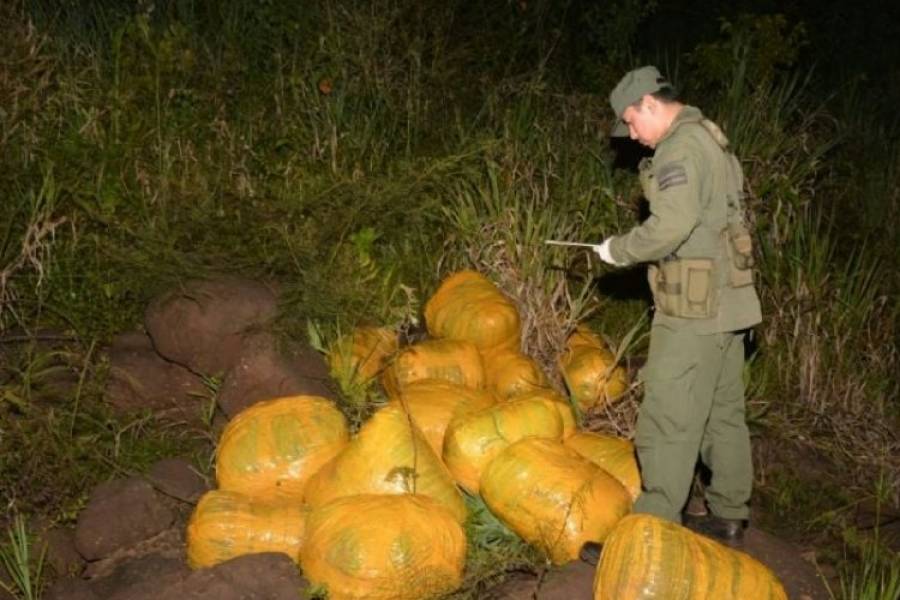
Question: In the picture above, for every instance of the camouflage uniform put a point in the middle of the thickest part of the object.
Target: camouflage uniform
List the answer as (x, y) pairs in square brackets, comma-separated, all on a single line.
[(693, 384)]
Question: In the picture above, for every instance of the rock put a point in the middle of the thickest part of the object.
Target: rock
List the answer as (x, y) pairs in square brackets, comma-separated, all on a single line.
[(61, 554), (269, 576), (263, 371), (139, 378), (571, 581), (70, 588), (142, 577), (176, 477), (202, 325), (120, 513)]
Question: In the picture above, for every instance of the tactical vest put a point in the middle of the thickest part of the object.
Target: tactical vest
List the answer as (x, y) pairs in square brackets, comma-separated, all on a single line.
[(690, 286)]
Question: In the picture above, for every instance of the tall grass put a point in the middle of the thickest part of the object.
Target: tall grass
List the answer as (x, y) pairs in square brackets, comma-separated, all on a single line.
[(24, 567)]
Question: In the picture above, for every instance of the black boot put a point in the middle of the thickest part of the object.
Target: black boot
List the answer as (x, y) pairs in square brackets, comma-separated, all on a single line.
[(727, 531), (590, 553)]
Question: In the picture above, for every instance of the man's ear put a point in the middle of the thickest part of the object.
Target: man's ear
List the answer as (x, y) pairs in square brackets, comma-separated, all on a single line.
[(649, 103)]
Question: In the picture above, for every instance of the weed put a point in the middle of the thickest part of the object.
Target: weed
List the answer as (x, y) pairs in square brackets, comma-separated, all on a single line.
[(24, 567)]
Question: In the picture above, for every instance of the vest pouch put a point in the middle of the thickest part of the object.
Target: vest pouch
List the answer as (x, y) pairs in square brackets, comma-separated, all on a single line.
[(739, 246), (698, 300), (684, 288)]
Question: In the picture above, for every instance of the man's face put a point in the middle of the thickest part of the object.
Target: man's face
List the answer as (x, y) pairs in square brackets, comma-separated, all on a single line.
[(645, 123)]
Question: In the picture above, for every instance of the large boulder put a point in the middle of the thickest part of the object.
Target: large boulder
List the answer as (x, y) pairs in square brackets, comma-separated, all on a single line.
[(263, 371), (139, 379), (203, 323), (177, 478), (119, 514)]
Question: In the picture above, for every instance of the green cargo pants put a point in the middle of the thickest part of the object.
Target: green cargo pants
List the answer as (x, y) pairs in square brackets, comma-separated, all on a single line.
[(693, 404)]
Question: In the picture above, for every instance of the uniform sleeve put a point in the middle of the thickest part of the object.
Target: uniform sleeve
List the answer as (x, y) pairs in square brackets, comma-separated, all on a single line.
[(674, 200)]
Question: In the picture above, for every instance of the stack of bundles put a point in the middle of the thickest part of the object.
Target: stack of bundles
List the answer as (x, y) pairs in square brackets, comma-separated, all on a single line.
[(590, 371), (229, 524), (433, 403), (389, 455), (401, 547), (552, 497), (455, 361), (472, 441), (646, 557), (361, 355), (264, 459), (614, 455)]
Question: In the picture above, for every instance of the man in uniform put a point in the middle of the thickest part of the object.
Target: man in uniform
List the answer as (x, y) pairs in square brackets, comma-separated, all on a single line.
[(700, 271)]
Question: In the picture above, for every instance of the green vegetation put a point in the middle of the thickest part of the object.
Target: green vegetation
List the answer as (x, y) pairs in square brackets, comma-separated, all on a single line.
[(357, 151)]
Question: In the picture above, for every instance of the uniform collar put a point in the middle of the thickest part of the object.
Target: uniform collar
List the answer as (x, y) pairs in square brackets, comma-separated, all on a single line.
[(687, 114)]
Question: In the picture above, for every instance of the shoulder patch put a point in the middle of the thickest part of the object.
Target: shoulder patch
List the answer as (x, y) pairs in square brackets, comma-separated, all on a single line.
[(671, 175)]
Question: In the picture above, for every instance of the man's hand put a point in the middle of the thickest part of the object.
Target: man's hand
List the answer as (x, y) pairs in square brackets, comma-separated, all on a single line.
[(602, 251)]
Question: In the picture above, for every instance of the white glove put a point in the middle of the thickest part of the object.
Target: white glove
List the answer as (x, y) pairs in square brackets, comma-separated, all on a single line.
[(602, 251)]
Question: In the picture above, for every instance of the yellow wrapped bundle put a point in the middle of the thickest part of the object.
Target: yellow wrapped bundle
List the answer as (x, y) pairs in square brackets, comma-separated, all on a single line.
[(510, 373), (613, 455), (648, 558), (454, 361), (433, 403), (273, 447), (389, 455), (552, 497), (228, 524), (360, 356), (467, 306), (377, 547), (472, 441), (559, 404), (589, 370)]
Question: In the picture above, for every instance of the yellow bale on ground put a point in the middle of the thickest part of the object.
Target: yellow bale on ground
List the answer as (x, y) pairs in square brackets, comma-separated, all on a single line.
[(455, 361), (273, 447), (433, 403), (472, 441), (467, 306), (510, 373), (648, 558), (590, 372), (225, 525), (359, 356), (402, 547), (552, 497), (389, 455), (614, 455)]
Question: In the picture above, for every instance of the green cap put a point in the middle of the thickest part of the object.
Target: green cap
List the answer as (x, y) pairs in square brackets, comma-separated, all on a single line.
[(632, 88)]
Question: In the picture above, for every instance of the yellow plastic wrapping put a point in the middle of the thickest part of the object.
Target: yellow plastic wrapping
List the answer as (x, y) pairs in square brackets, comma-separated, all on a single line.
[(613, 455), (389, 455), (588, 368), (467, 306), (375, 547), (552, 497), (648, 558), (434, 403), (472, 441), (451, 360), (360, 356), (229, 524), (559, 404), (273, 447), (510, 373)]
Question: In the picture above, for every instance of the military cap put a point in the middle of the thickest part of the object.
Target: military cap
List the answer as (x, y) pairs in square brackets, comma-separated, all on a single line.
[(632, 88)]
